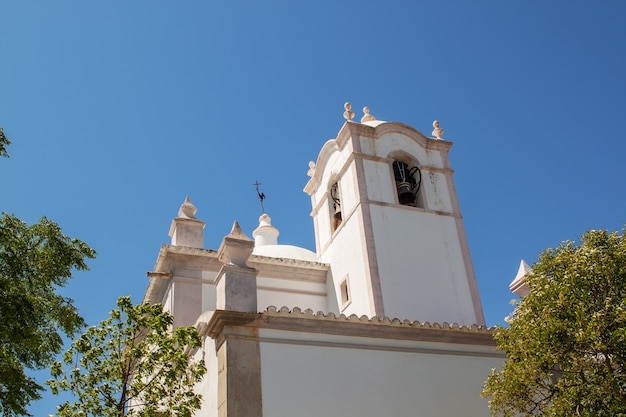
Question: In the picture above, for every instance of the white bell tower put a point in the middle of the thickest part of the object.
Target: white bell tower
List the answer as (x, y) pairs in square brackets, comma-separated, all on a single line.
[(388, 222)]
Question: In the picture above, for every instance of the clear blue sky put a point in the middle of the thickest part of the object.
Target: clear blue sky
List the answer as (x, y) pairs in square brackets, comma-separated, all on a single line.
[(118, 110)]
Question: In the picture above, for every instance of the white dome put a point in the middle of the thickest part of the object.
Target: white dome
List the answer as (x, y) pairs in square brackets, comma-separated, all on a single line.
[(373, 123), (285, 251)]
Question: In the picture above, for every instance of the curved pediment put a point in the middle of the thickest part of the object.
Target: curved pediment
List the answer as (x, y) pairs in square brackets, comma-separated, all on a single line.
[(376, 129)]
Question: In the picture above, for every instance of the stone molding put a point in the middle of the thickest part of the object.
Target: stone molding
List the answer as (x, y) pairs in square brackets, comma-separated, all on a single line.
[(355, 130), (307, 321), (172, 257)]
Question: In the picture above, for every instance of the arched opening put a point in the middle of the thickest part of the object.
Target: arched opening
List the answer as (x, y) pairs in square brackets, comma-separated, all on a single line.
[(336, 216), (408, 180)]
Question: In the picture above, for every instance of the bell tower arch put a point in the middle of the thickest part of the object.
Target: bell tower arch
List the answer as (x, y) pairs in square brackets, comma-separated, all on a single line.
[(400, 248)]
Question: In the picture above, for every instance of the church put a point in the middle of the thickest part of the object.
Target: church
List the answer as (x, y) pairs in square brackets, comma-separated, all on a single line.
[(383, 319)]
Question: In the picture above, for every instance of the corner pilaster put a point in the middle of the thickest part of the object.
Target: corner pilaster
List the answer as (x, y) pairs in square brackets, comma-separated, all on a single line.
[(236, 281)]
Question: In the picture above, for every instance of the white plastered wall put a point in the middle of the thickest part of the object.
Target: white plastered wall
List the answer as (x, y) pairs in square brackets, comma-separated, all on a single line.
[(435, 185), (209, 384), (343, 248), (209, 294), (187, 300), (346, 258), (351, 378), (390, 142), (290, 293), (379, 182), (421, 266), (335, 163)]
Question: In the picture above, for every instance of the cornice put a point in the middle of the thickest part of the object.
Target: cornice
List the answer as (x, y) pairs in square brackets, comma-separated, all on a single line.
[(172, 257), (307, 321)]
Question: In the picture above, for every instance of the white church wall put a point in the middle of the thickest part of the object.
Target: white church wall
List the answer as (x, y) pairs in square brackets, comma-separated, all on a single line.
[(347, 260), (391, 142), (349, 188), (187, 300), (323, 223), (334, 166), (379, 182), (209, 384), (435, 185), (290, 293), (352, 377), (422, 277), (167, 300), (209, 295)]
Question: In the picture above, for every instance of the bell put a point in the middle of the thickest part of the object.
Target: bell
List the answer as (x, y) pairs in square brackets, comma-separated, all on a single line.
[(405, 194), (337, 217)]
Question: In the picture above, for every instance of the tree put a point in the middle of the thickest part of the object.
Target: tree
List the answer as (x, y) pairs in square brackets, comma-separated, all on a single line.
[(34, 262), (566, 340), (131, 364), (4, 142)]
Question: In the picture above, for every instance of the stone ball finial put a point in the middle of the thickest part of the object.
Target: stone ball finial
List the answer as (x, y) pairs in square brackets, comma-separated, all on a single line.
[(366, 115), (348, 114), (187, 210), (437, 131)]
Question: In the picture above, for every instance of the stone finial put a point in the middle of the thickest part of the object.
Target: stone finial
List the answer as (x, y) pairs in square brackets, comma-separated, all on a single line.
[(237, 233), (186, 229), (265, 234), (518, 286), (311, 170), (366, 115), (187, 210), (348, 114), (437, 131), (236, 248)]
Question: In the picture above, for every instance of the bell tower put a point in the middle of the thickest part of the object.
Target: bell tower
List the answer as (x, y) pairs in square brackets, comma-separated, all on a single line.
[(387, 221)]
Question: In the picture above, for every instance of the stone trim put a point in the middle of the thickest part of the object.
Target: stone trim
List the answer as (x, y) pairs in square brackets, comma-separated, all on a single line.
[(334, 178), (179, 278), (170, 257), (373, 283), (389, 160), (291, 290), (220, 319), (383, 347), (355, 130), (210, 257), (471, 275), (239, 391), (306, 321)]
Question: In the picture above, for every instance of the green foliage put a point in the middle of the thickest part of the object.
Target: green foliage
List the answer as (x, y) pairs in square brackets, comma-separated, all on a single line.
[(131, 364), (566, 343), (34, 262), (4, 142)]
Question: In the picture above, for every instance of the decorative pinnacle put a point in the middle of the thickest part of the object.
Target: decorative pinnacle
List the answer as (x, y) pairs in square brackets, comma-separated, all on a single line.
[(366, 115), (235, 248), (187, 210), (348, 114), (437, 131), (237, 233)]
